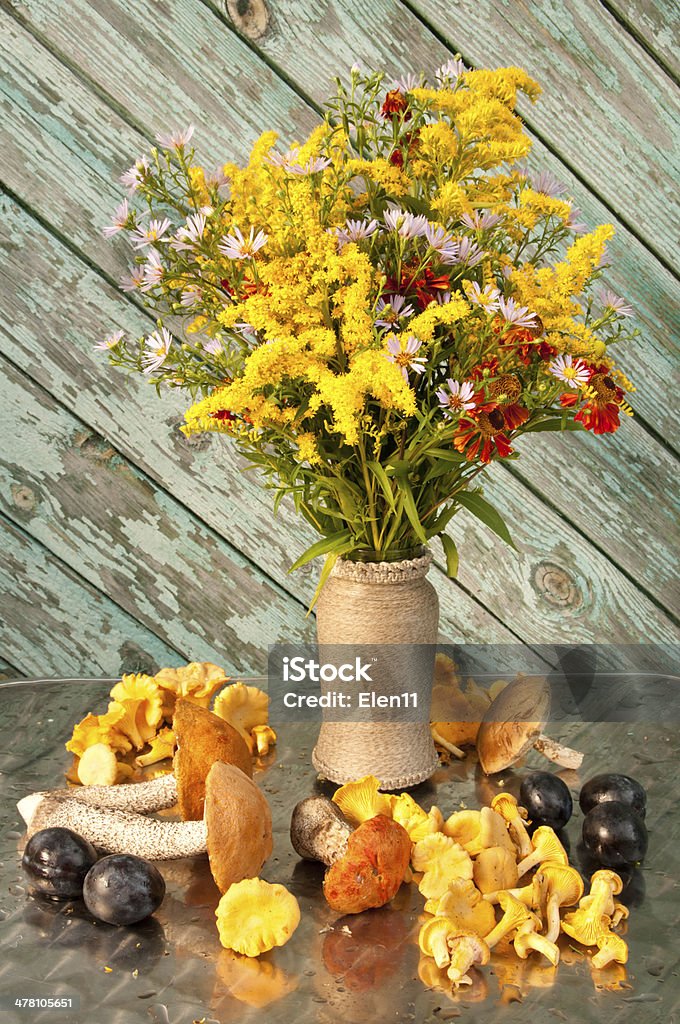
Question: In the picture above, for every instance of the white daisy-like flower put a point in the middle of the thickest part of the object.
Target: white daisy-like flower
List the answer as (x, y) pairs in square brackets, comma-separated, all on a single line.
[(547, 183), (391, 311), (247, 332), (443, 298), (450, 72), (466, 252), (481, 221), (574, 224), (290, 162), (212, 346), (236, 247), (487, 297), (177, 139), (407, 83), (144, 236), (217, 178), (153, 271), (610, 300), (157, 345), (192, 294), (120, 218), (406, 358), (132, 281), (514, 314), (133, 177), (355, 230), (190, 235), (456, 397), (110, 342), (573, 372), (408, 225), (442, 241)]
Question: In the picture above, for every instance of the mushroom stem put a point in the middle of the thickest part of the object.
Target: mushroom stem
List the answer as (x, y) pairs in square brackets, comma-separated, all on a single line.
[(566, 757), (114, 830), (140, 797), (451, 747)]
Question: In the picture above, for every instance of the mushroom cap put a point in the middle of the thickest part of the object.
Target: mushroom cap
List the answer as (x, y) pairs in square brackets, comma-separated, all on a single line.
[(495, 869), (610, 947), (606, 877), (373, 868), (243, 707), (361, 800), (254, 916), (562, 882), (202, 738), (453, 862), (239, 825), (513, 722), (463, 904)]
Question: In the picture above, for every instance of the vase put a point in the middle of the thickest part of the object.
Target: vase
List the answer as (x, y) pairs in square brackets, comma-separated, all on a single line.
[(392, 609)]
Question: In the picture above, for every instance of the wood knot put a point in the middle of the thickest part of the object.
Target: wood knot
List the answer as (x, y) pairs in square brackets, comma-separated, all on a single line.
[(557, 586), (251, 17), (24, 497)]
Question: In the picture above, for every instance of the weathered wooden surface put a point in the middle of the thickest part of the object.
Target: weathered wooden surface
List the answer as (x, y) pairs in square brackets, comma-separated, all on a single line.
[(594, 521), (54, 624)]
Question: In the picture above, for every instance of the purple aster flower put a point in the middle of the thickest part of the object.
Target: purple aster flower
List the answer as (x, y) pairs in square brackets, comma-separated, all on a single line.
[(467, 252), (610, 300), (547, 183), (153, 271), (450, 72), (355, 230), (134, 280), (110, 342), (575, 225), (120, 219), (406, 357), (486, 297), (456, 397), (189, 236), (157, 346), (570, 371), (519, 316), (134, 177), (236, 247), (144, 236), (481, 222), (391, 311), (442, 242), (177, 139), (408, 225)]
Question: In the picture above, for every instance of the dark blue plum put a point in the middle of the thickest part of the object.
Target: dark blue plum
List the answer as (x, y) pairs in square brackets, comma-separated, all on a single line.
[(547, 800), (614, 835), (56, 861), (610, 786), (122, 889)]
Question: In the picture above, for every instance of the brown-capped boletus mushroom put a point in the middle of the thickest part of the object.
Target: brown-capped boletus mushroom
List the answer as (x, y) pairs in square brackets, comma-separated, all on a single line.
[(202, 739), (514, 724), (238, 823)]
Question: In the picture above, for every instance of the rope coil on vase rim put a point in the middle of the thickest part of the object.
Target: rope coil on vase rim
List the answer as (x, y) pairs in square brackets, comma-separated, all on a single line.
[(382, 572)]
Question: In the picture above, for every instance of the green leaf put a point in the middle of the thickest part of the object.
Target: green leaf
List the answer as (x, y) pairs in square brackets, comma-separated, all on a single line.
[(398, 468), (331, 559), (379, 473), (557, 424), (491, 517), (451, 552), (410, 508), (444, 455), (337, 543)]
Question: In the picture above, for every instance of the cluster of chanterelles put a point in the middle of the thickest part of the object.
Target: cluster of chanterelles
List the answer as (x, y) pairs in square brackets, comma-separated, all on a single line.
[(469, 867)]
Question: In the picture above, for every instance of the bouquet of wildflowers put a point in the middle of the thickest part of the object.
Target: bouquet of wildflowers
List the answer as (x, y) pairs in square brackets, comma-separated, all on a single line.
[(377, 313)]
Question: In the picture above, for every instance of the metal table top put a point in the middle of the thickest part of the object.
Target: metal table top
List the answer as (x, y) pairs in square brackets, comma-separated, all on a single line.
[(172, 969)]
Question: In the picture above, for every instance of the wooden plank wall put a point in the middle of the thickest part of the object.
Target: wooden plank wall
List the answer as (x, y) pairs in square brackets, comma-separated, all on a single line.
[(123, 544)]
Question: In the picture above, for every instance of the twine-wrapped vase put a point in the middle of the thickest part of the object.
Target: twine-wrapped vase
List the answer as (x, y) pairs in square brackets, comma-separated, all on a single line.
[(389, 607)]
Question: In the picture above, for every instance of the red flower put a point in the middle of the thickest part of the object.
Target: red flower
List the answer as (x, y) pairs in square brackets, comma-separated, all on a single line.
[(514, 415), (477, 372), (568, 399), (411, 142), (601, 419), (485, 432), (425, 286), (395, 103), (223, 414), (601, 413)]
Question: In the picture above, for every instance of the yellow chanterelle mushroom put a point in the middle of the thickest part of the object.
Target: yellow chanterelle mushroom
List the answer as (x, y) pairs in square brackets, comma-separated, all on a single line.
[(254, 916)]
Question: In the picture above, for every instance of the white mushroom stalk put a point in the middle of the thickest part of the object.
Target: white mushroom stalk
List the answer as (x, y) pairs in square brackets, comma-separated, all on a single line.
[(140, 797), (116, 831)]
